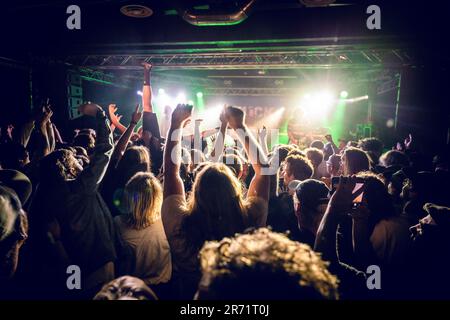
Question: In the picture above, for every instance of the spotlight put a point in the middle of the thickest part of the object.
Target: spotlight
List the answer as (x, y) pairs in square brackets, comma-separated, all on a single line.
[(181, 98), (161, 91), (344, 94), (316, 106), (199, 94), (139, 93)]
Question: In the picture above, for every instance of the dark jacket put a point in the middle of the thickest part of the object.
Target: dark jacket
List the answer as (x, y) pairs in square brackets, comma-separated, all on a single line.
[(87, 229)]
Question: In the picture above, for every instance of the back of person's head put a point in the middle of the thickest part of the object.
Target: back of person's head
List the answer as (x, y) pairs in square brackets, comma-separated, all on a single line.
[(296, 152), (143, 200), (135, 159), (317, 144), (283, 151), (126, 288), (82, 155), (394, 158), (263, 265), (85, 140), (60, 165), (311, 193), (216, 204), (378, 199), (355, 160), (310, 202), (334, 164), (314, 155), (372, 145), (233, 162), (298, 167)]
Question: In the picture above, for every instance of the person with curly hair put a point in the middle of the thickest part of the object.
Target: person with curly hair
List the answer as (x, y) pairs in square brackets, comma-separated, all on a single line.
[(264, 265)]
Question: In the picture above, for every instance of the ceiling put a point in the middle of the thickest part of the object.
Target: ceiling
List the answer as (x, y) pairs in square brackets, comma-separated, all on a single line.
[(280, 44)]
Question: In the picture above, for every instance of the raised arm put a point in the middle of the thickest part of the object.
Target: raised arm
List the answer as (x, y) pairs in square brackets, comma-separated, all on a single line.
[(90, 178), (44, 146), (220, 139), (115, 119), (122, 144), (262, 138), (149, 121), (329, 138), (147, 89), (339, 205), (259, 186), (172, 153)]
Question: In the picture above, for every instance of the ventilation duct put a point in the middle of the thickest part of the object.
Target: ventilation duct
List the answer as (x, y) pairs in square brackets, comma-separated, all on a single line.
[(204, 20)]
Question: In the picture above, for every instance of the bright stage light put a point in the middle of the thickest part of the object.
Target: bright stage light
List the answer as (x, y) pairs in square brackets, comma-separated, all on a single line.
[(139, 93), (316, 106), (344, 94), (191, 102), (161, 91), (181, 98), (199, 94)]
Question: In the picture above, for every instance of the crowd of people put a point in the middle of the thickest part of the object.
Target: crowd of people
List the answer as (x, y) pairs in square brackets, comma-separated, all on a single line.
[(144, 216)]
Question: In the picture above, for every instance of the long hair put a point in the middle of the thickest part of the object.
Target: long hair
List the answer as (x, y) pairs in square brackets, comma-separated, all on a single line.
[(135, 159), (143, 199), (355, 161), (217, 206), (58, 166)]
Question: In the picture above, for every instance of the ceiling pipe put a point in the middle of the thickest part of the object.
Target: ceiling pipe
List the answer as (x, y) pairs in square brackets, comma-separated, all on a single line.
[(205, 20)]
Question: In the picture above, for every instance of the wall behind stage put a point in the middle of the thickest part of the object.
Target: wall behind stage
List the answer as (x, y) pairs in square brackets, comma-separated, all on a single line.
[(14, 93)]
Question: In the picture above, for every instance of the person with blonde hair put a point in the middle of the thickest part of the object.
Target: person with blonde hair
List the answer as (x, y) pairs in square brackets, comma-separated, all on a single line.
[(142, 230), (217, 207)]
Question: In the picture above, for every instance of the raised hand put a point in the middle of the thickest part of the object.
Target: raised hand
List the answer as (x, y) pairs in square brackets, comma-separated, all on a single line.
[(223, 116), (137, 115), (180, 115), (263, 132), (115, 118), (342, 199), (147, 66), (408, 141), (48, 113), (89, 109)]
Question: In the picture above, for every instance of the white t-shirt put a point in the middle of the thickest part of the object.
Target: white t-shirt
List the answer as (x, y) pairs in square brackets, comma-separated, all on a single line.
[(153, 263), (174, 210)]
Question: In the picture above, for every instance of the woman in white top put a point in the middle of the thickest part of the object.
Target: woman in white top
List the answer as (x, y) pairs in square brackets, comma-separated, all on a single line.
[(217, 207), (142, 229)]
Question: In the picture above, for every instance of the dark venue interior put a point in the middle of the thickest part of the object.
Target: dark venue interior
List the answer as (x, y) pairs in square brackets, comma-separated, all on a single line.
[(342, 112)]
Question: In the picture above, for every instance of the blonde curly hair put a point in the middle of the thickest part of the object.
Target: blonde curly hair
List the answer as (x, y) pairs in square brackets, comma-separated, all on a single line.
[(264, 264)]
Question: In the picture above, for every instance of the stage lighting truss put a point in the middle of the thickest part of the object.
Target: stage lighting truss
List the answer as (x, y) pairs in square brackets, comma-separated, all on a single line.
[(327, 58)]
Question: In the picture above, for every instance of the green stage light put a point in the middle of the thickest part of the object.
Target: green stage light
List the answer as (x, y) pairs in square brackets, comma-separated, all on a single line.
[(344, 94), (199, 94)]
